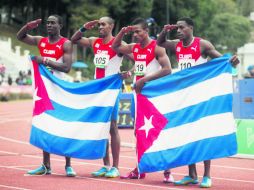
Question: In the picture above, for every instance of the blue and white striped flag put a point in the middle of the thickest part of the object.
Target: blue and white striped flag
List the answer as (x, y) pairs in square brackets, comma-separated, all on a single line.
[(194, 108), (72, 119)]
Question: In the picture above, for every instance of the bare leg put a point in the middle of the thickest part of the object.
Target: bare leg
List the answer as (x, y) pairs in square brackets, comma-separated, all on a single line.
[(115, 143), (46, 159), (67, 162), (207, 165), (106, 161), (193, 171)]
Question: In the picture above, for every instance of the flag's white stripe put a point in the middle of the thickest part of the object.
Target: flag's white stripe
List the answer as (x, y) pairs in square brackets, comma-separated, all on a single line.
[(75, 101), (73, 130), (207, 127), (195, 94)]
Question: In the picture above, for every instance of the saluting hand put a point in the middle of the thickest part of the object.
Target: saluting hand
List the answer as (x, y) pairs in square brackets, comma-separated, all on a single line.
[(33, 24), (169, 27), (91, 24), (127, 29)]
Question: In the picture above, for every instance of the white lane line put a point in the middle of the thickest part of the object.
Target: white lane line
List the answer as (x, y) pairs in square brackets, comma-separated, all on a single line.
[(13, 140), (11, 153), (12, 187)]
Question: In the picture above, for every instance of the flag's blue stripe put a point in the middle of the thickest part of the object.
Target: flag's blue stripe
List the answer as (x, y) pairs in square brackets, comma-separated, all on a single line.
[(91, 114), (83, 149), (90, 87), (216, 105), (187, 77), (206, 149)]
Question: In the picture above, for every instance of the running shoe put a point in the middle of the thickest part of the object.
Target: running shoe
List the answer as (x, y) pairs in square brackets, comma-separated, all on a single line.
[(42, 170), (186, 181), (70, 172), (206, 182), (168, 178), (134, 175), (101, 172), (113, 172)]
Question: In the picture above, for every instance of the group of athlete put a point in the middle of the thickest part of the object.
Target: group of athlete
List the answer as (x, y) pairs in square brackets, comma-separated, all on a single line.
[(151, 62)]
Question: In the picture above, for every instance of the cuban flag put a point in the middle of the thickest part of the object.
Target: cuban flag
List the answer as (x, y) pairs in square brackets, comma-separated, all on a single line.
[(72, 119), (186, 117)]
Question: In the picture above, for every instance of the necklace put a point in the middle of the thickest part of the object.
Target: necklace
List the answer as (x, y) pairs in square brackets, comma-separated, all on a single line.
[(189, 43)]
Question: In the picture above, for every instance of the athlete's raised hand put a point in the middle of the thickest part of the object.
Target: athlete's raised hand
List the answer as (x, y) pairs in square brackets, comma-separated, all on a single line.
[(33, 24), (127, 29), (169, 27), (91, 24)]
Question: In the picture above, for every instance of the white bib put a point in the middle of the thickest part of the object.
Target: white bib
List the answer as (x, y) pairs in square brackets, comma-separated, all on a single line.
[(101, 60), (140, 68), (186, 63)]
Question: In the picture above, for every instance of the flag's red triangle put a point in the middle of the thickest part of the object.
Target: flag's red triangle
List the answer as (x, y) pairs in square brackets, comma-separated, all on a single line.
[(149, 124)]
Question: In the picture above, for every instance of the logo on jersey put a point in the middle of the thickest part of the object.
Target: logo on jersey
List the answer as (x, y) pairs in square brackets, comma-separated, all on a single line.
[(185, 56), (194, 48), (150, 50), (49, 52), (43, 44), (97, 45), (102, 51), (136, 50), (141, 56), (59, 46), (178, 49)]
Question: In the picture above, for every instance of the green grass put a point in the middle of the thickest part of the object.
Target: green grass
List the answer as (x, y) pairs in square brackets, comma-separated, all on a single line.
[(9, 31)]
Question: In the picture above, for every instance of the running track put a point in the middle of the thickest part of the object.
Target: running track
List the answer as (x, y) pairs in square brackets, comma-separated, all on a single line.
[(17, 156)]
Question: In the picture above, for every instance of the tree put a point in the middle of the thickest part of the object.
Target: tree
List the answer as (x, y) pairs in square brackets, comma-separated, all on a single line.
[(230, 31)]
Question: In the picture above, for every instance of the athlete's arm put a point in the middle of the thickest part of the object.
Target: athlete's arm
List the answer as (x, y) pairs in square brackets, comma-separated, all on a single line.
[(82, 41), (117, 44), (65, 66), (26, 38), (164, 62), (162, 38), (208, 50)]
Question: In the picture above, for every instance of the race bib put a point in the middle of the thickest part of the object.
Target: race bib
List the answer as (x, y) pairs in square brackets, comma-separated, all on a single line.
[(140, 68), (101, 60), (186, 63)]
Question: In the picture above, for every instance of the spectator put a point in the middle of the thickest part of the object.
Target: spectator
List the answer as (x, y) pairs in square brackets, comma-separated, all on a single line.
[(250, 73), (9, 80)]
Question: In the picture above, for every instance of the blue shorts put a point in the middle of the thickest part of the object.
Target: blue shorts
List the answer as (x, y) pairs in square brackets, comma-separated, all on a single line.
[(114, 115)]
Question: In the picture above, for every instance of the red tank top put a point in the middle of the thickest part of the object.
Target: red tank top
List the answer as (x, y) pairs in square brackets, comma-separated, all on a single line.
[(104, 54), (145, 59), (189, 56), (54, 51)]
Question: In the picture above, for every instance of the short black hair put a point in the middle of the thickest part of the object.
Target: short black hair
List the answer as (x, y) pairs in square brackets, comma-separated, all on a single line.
[(188, 20), (140, 21), (109, 19), (59, 18)]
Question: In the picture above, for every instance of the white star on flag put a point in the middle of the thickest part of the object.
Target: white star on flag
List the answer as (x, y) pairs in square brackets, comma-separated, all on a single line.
[(148, 125), (35, 96)]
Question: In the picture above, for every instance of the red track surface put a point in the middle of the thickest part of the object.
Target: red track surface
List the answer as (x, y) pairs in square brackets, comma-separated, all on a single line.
[(17, 156)]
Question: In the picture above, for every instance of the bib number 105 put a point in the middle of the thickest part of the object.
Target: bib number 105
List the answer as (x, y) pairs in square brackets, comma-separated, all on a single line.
[(101, 60)]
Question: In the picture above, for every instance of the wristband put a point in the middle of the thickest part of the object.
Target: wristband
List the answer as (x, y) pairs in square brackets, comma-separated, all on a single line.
[(82, 29)]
